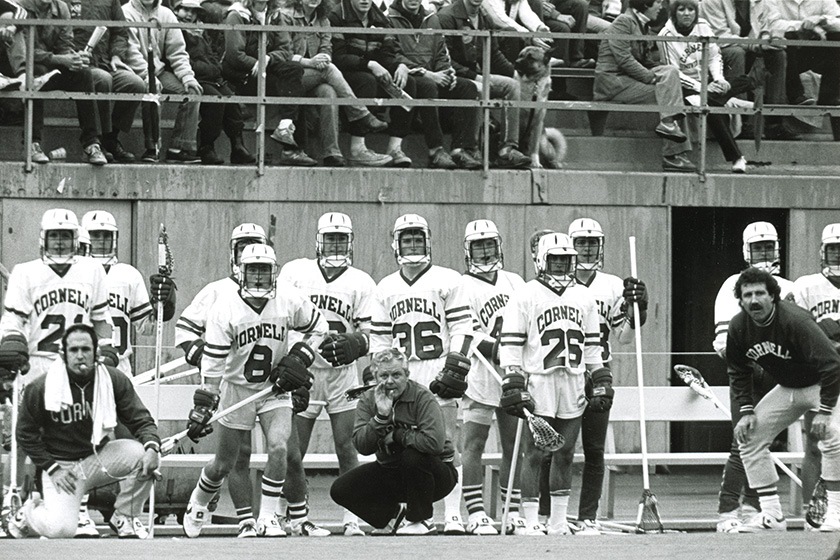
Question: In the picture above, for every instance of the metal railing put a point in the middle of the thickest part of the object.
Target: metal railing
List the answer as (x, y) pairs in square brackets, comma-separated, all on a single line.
[(485, 102)]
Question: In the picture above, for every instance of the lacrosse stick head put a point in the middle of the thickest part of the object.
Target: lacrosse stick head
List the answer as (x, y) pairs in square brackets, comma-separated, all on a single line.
[(165, 261), (545, 437), (648, 520), (815, 516), (692, 377), (357, 392)]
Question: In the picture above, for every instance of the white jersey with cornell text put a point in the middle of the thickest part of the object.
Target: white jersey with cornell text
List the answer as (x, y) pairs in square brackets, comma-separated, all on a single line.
[(129, 306), (552, 336), (487, 300), (190, 325), (243, 344), (727, 306), (818, 295), (607, 290), (420, 317), (40, 303)]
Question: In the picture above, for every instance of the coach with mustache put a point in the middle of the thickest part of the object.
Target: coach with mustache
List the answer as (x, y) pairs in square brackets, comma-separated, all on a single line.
[(787, 343)]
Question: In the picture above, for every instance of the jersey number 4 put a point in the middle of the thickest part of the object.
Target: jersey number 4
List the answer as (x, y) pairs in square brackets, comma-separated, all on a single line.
[(566, 352)]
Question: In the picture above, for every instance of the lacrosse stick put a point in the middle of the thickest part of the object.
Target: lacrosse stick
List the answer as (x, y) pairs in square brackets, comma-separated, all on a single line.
[(694, 379), (169, 444), (815, 516), (648, 519), (172, 378), (12, 501), (147, 376), (357, 392)]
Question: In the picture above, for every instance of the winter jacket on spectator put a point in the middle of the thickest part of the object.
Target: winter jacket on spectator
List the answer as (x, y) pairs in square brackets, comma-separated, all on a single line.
[(115, 40), (466, 51), (242, 47), (204, 61), (353, 51), (167, 44), (422, 51), (53, 39), (306, 44)]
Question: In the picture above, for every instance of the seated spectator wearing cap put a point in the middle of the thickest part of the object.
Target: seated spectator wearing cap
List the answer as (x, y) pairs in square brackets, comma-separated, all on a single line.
[(12, 42), (215, 117), (429, 63), (313, 50), (686, 57), (402, 423), (627, 73)]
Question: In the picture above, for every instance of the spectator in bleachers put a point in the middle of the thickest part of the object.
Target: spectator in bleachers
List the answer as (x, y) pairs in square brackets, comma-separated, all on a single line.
[(573, 15), (54, 51), (466, 53), (323, 78), (753, 19), (215, 117), (812, 20), (518, 15), (686, 57), (431, 67), (12, 44), (110, 73), (174, 73), (628, 73), (283, 76)]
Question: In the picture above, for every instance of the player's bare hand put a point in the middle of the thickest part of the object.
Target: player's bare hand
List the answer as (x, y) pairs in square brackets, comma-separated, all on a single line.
[(821, 426), (384, 400), (64, 480), (745, 428), (149, 466)]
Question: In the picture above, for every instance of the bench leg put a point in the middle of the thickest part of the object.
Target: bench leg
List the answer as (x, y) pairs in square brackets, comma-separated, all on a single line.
[(597, 122)]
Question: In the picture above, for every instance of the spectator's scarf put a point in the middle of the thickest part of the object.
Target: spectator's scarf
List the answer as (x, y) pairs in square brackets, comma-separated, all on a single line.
[(57, 397)]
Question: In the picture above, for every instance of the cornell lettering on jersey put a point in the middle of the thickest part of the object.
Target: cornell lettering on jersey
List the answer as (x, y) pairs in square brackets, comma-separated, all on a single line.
[(76, 412), (61, 295), (418, 305), (768, 348), (493, 305), (603, 309), (263, 330), (559, 313), (824, 308), (116, 301), (332, 303)]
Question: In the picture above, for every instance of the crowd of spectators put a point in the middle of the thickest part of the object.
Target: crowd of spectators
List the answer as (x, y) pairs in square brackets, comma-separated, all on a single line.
[(314, 62)]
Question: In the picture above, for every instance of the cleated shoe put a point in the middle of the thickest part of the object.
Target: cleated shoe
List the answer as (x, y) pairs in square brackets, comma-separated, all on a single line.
[(588, 527), (247, 529), (454, 526), (194, 519), (537, 530), (482, 526), (86, 528), (562, 529), (393, 525), (831, 523), (352, 529), (269, 527), (763, 522), (417, 529), (306, 528), (516, 526), (128, 527)]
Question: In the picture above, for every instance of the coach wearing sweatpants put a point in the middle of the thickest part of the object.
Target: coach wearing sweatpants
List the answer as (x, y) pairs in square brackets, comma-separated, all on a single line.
[(402, 423)]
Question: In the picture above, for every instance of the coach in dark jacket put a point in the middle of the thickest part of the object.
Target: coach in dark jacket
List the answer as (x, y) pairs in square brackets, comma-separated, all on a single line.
[(401, 422)]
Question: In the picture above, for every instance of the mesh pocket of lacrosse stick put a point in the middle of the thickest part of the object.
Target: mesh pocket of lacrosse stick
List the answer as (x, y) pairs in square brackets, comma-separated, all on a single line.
[(691, 377), (817, 506), (648, 520), (545, 437)]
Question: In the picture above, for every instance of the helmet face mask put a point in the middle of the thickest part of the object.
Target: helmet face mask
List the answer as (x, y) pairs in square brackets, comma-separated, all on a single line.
[(483, 247), (761, 247), (588, 239), (242, 236), (59, 238), (534, 243), (84, 243), (412, 240), (257, 272), (830, 251), (556, 260), (334, 240), (104, 236)]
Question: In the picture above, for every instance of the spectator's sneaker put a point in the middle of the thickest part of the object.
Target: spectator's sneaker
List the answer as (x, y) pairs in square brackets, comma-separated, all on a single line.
[(740, 103), (93, 154), (399, 159), (120, 154), (393, 525), (306, 528), (128, 527), (417, 529), (269, 527), (670, 131), (352, 529), (441, 160), (183, 156), (516, 526), (285, 136), (763, 522), (678, 163), (371, 124), (740, 165), (454, 526), (209, 156), (465, 160), (247, 529), (562, 529), (804, 100), (296, 158), (831, 523), (537, 530), (37, 154), (583, 63), (481, 526), (150, 156), (194, 519), (368, 158), (511, 158), (588, 527), (335, 161), (239, 155), (40, 81)]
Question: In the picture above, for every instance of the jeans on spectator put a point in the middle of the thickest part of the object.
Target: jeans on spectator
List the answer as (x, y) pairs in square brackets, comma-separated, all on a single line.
[(185, 130), (559, 47), (68, 80), (502, 87), (718, 123), (578, 9), (327, 114), (734, 61), (121, 117), (332, 75), (465, 125), (216, 117), (374, 492), (824, 61), (666, 91), (595, 24), (282, 79), (365, 85)]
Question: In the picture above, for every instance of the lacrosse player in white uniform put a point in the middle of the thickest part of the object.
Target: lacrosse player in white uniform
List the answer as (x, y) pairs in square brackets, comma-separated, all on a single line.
[(47, 295), (189, 337), (130, 304), (737, 503), (550, 338), (247, 350), (419, 312), (487, 288), (344, 296)]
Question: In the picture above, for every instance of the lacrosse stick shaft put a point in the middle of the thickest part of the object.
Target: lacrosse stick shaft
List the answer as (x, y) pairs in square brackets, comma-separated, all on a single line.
[(639, 371), (148, 376), (13, 451), (172, 378), (4, 272), (514, 460)]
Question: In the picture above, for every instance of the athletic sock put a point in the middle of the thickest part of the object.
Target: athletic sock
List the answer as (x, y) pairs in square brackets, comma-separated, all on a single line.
[(559, 508), (298, 513), (452, 501), (205, 489), (833, 500), (244, 514), (515, 499), (768, 497), (530, 510), (474, 501), (271, 490)]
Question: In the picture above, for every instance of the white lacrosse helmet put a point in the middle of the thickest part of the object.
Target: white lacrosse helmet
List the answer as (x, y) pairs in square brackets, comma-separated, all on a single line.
[(102, 221), (257, 274), (830, 236), (585, 228), (84, 243), (405, 223), (247, 234), (333, 255), (556, 258), (755, 233), (59, 219), (534, 242), (478, 230)]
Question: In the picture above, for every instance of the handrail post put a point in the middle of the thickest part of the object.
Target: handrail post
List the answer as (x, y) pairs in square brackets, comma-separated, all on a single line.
[(485, 98), (30, 80), (261, 67), (704, 104)]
